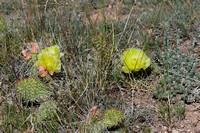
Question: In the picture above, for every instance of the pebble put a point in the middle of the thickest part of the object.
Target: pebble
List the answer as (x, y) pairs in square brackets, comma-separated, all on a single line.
[(174, 131)]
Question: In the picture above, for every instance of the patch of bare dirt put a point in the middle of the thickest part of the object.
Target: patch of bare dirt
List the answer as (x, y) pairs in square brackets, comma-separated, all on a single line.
[(113, 12), (154, 123), (110, 13), (190, 124)]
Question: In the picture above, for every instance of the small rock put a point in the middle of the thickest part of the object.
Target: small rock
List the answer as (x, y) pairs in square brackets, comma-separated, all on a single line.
[(196, 50), (165, 128), (196, 104), (190, 131), (198, 127), (182, 125), (174, 131), (189, 107), (196, 113), (151, 9)]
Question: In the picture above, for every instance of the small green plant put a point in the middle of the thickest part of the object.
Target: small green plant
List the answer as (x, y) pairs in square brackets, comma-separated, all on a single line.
[(142, 114), (145, 129), (170, 113), (32, 89)]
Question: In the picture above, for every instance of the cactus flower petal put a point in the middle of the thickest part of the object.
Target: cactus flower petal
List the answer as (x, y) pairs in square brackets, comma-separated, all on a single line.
[(42, 71), (134, 60), (35, 48), (26, 55), (94, 110)]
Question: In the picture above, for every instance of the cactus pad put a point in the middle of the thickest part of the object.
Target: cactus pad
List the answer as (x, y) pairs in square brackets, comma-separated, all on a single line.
[(46, 111), (32, 89), (112, 117), (92, 125)]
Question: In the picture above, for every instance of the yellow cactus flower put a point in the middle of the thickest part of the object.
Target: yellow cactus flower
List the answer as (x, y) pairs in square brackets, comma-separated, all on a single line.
[(49, 59), (134, 60)]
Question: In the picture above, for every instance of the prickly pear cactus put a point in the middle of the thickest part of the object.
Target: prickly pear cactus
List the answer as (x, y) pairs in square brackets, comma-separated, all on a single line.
[(32, 89), (112, 117), (179, 75), (92, 125), (97, 124), (46, 111)]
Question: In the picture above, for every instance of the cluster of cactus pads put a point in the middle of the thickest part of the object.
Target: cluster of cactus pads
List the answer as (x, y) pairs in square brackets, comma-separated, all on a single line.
[(179, 75), (34, 90), (111, 118)]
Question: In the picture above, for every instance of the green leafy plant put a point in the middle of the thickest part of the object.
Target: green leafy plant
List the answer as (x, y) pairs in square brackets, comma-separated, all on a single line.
[(170, 113), (32, 89), (179, 75)]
